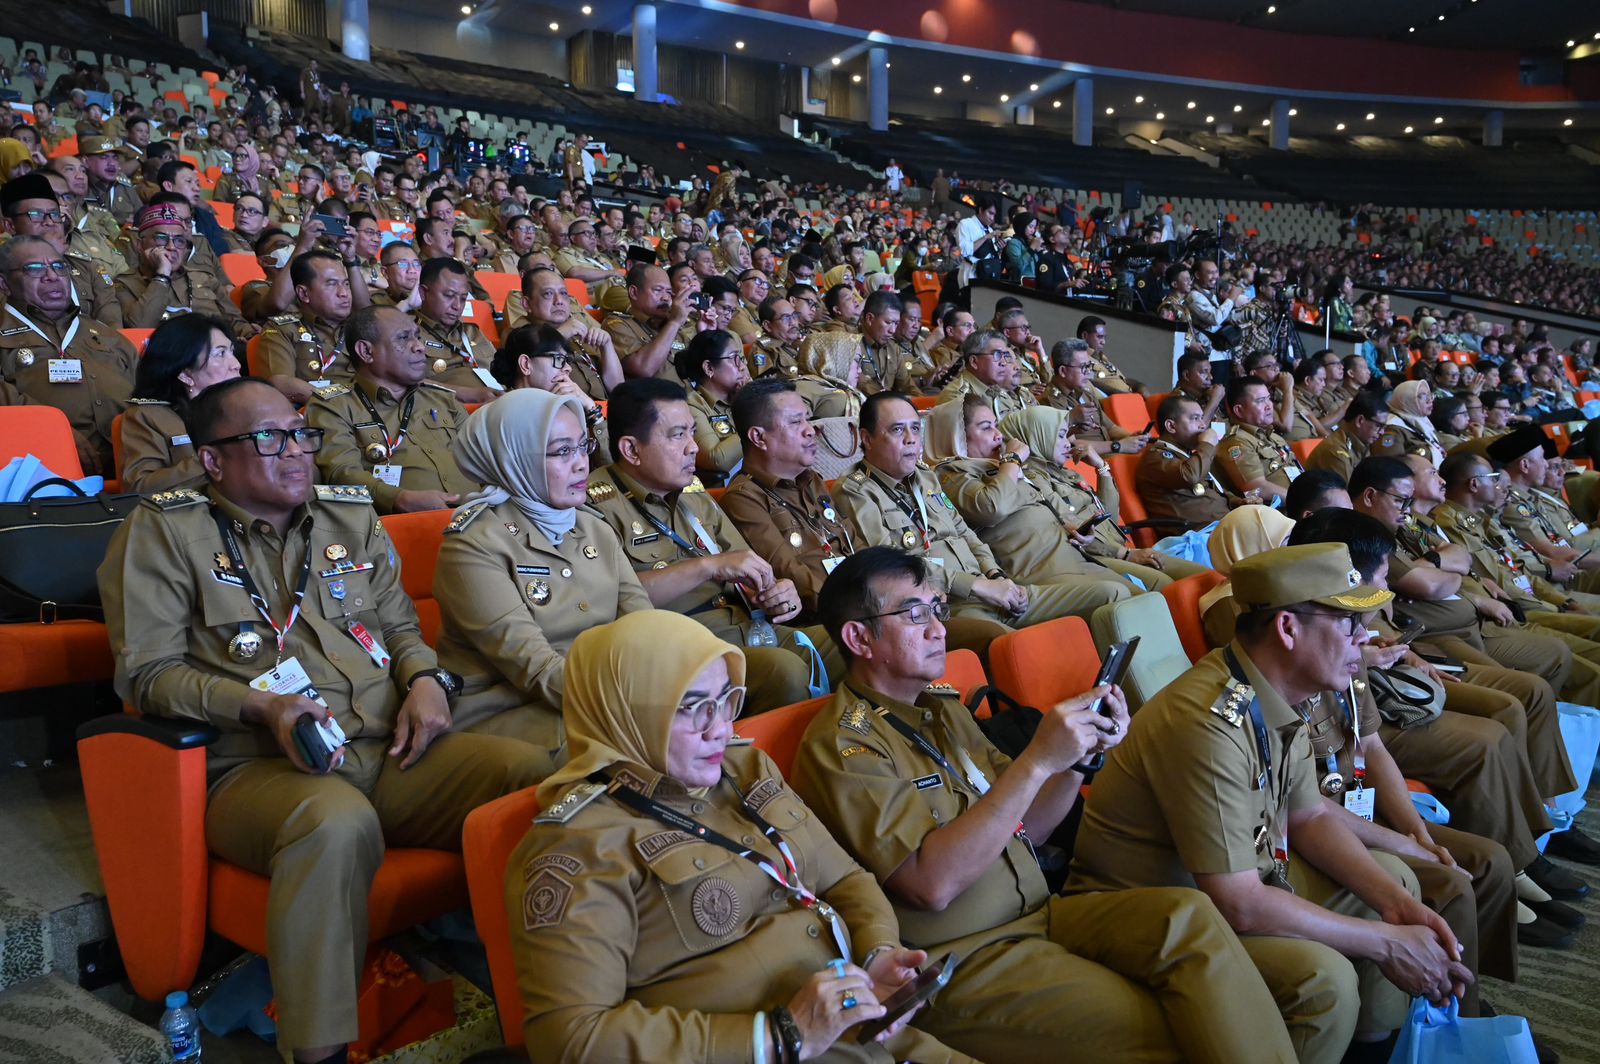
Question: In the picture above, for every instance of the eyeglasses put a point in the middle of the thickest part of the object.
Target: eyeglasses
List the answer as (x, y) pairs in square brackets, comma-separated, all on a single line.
[(1346, 624), (918, 612), (248, 212), (1081, 367), (37, 269), (1405, 502), (726, 708), (270, 443), (170, 240), (566, 451), (41, 216), (1003, 357), (556, 361), (1496, 475)]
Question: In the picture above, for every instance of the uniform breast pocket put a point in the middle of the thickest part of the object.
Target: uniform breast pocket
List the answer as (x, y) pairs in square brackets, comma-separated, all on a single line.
[(707, 894), (224, 603), (344, 593)]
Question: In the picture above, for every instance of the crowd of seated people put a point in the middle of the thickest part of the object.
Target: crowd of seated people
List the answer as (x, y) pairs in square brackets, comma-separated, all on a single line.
[(705, 461)]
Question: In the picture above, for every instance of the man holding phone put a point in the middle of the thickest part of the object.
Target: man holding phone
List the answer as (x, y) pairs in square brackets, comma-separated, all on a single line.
[(900, 774)]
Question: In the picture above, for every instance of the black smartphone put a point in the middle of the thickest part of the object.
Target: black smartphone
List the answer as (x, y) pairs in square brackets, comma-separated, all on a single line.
[(928, 982), (331, 225), (1411, 633), (1148, 428), (1084, 529), (700, 301), (1112, 670), (317, 743)]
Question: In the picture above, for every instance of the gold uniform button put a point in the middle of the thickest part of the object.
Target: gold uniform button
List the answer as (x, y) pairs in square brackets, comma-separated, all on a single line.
[(583, 607), (698, 807)]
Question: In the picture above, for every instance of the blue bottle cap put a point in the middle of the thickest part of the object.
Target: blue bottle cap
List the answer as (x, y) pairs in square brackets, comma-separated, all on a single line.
[(177, 999)]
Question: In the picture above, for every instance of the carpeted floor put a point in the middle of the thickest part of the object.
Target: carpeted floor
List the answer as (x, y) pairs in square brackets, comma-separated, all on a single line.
[(49, 1021), (1559, 990)]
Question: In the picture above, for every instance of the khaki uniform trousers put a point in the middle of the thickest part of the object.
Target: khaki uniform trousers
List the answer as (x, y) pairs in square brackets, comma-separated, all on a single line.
[(1483, 917), (320, 839), (1131, 976)]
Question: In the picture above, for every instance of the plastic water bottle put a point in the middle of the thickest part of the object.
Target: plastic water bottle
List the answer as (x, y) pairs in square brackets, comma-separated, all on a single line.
[(181, 1025)]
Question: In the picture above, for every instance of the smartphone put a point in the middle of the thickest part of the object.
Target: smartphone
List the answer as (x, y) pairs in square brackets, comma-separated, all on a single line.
[(1112, 670), (1411, 633), (928, 982), (1579, 559), (1148, 429), (317, 742), (331, 225), (1085, 529), (700, 301)]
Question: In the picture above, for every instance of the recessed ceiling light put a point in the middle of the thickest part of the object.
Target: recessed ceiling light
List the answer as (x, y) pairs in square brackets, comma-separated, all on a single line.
[(586, 9), (1034, 87), (1441, 18), (1005, 97), (937, 89), (1190, 105), (1370, 116), (1238, 107), (466, 9), (1055, 103), (739, 45), (1210, 119), (966, 77), (1566, 122), (1339, 127), (1266, 121), (835, 60), (1572, 44), (1111, 110), (1408, 129), (1138, 99), (1272, 9), (1411, 29), (555, 27), (1438, 120), (1160, 115), (856, 78), (1293, 111)]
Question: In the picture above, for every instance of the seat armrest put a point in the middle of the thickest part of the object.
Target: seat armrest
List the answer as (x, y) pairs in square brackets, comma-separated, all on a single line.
[(173, 734)]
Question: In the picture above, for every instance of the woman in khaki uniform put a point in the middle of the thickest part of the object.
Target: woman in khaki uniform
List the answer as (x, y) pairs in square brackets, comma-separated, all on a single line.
[(185, 356), (1017, 513), (538, 356), (522, 570), (635, 939), (1409, 430), (1247, 531), (712, 368), (830, 369)]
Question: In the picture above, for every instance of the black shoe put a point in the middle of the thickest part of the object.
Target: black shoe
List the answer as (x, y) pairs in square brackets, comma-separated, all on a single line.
[(1556, 882), (1545, 934), (1557, 913), (1574, 845)]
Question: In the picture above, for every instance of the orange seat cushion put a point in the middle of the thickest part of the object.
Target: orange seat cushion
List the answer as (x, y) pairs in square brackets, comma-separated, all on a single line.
[(47, 655)]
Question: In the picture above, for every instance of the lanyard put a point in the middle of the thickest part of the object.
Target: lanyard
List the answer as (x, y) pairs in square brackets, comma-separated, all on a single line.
[(787, 877), (236, 557), (465, 352), (1210, 476), (72, 330), (975, 777), (1277, 825), (664, 528), (1333, 780), (405, 418), (919, 515), (817, 527)]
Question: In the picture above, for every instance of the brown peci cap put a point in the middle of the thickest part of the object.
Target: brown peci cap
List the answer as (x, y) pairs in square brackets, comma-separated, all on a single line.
[(1312, 572)]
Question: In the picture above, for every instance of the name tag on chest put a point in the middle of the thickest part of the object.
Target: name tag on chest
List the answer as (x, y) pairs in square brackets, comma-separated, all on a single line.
[(1360, 801), (388, 474), (928, 783), (66, 370)]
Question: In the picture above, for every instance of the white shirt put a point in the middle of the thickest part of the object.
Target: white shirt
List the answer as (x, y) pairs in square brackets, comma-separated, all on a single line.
[(969, 234), (588, 167), (893, 176)]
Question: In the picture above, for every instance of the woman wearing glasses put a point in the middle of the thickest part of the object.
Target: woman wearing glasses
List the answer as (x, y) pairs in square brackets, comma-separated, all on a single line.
[(184, 356), (672, 944), (1409, 430), (523, 569), (538, 356), (249, 221), (713, 367)]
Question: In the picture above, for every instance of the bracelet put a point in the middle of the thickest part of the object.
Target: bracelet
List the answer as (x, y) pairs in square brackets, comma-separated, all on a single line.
[(1009, 456), (758, 1038), (788, 1037), (873, 953)]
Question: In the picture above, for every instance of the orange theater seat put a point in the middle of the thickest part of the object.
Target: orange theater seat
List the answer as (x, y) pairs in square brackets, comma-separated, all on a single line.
[(963, 670), (241, 268), (1045, 663), (45, 433), (224, 212), (1128, 411), (777, 732), (34, 655), (1558, 432), (137, 337), (1143, 530), (116, 444), (481, 313), (1302, 448), (499, 286), (491, 833), (1183, 599), (255, 362), (1152, 403), (578, 290), (416, 539), (924, 402)]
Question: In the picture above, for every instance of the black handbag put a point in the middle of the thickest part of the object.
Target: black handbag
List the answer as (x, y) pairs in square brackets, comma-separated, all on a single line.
[(1225, 336), (50, 549)]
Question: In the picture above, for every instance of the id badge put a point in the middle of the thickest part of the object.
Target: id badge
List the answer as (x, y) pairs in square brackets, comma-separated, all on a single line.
[(1360, 800), (319, 385), (488, 379), (830, 564), (388, 474), (66, 370), (1291, 472), (1524, 584), (1579, 529), (288, 677)]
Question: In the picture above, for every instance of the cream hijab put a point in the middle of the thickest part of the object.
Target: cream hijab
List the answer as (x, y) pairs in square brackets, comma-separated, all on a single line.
[(1243, 533), (624, 681), (1040, 428), (945, 434), (828, 355), (1405, 405), (502, 447)]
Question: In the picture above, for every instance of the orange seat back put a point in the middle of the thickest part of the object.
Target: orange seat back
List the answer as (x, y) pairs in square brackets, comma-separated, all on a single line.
[(116, 444), (1183, 599), (715, 493), (45, 433), (241, 268), (1124, 470), (1558, 432), (1128, 411), (963, 670), (481, 313), (69, 146), (1045, 663), (491, 834), (499, 286), (924, 402), (927, 286), (777, 732), (1152, 403), (224, 212), (1302, 448), (578, 290), (137, 337), (254, 361), (416, 539)]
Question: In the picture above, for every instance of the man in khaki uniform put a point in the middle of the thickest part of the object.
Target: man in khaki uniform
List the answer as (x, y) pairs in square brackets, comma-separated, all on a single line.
[(1072, 389), (1033, 364), (689, 556), (989, 371), (1107, 377), (92, 232), (54, 355), (194, 584), (390, 429), (304, 351), (162, 284), (32, 208), (1253, 457), (1174, 476), (1215, 784), (582, 260), (1194, 380), (899, 772), (1364, 419), (777, 349), (595, 366), (753, 289), (954, 328), (913, 345), (458, 353), (109, 189), (1524, 455), (884, 367), (657, 324)]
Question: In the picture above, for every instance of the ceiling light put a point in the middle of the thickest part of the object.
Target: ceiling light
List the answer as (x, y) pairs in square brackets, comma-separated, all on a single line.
[(937, 89), (1566, 122), (1138, 99), (1339, 127), (1055, 103), (1034, 87), (739, 45), (587, 10), (1370, 116), (555, 27), (1441, 18), (1409, 129), (1272, 9), (1238, 107), (1293, 112), (1411, 29), (1190, 105), (1572, 44), (466, 9), (1160, 115), (1005, 97), (964, 78), (1111, 110), (1210, 119), (1438, 120), (856, 78)]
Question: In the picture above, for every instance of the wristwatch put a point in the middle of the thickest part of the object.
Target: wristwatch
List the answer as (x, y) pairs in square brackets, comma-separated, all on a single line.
[(1432, 557), (786, 1035), (447, 680), (1010, 456), (1116, 446)]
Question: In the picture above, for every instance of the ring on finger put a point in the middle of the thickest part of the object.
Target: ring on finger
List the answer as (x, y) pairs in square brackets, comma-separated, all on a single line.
[(847, 1000)]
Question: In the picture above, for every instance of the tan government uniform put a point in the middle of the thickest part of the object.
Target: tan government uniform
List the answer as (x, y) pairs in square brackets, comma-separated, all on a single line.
[(721, 452), (1179, 485), (776, 676), (825, 397), (510, 605), (356, 441), (1532, 514), (1178, 798), (96, 298), (1337, 454), (455, 352), (667, 946), (173, 608), (629, 333), (886, 368), (157, 453), (1398, 439), (306, 347), (148, 300), (1086, 419), (1107, 377), (104, 373), (569, 259), (97, 237), (1137, 975), (230, 186), (1109, 546), (1025, 523), (1003, 401), (793, 525), (770, 355), (918, 362), (119, 199), (1248, 453)]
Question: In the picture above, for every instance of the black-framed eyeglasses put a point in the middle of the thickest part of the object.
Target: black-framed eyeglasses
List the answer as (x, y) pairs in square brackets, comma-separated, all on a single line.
[(170, 239), (1405, 502), (37, 269), (270, 443), (918, 612), (37, 216), (556, 361), (566, 451), (1346, 624)]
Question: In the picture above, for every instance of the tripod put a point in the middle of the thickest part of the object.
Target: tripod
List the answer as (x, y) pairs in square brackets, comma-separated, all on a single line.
[(1283, 338)]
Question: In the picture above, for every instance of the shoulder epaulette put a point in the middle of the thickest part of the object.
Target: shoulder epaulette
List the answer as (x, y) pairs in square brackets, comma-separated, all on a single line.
[(858, 475), (148, 402), (284, 319), (570, 803), (1233, 701), (940, 687), (435, 385), (857, 717), (175, 499), (601, 492), (332, 391), (464, 517), (695, 485), (343, 493)]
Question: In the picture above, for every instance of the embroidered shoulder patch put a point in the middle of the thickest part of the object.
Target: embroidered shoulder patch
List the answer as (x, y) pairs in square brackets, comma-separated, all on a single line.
[(1235, 452), (652, 846), (762, 794), (545, 901), (856, 718)]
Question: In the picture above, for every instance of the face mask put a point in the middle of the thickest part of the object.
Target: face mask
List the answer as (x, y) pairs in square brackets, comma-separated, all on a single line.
[(280, 258)]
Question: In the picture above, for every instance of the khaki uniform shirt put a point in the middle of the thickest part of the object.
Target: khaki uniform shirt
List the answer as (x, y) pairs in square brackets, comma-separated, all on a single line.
[(304, 346), (105, 381), (455, 352), (1177, 485), (1084, 503), (147, 302), (825, 398), (889, 515), (1498, 556), (1337, 454), (569, 259), (231, 186), (944, 352), (744, 322), (629, 333), (356, 441), (391, 209), (881, 796), (292, 208), (721, 452), (1248, 454), (1107, 377), (1452, 616), (886, 369), (916, 361), (175, 605), (511, 603), (1003, 400), (1179, 796), (770, 355), (98, 239), (1399, 439), (1554, 511), (1024, 522), (119, 198), (693, 938), (1088, 421), (95, 295), (157, 454), (1525, 513), (793, 525)]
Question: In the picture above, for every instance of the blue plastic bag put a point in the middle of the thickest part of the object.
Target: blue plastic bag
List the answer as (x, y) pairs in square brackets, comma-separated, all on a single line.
[(20, 474), (1580, 732), (1191, 546), (1440, 1036)]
